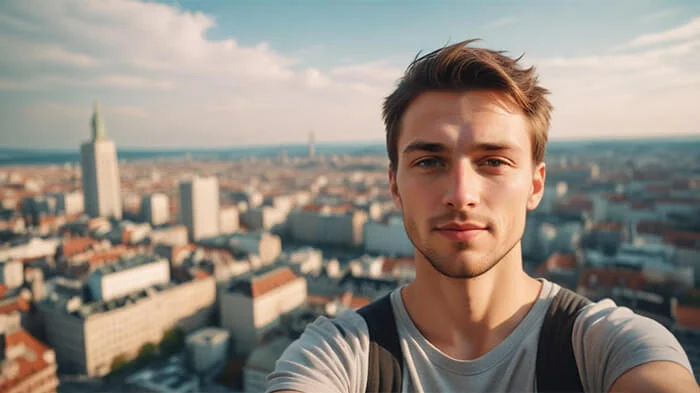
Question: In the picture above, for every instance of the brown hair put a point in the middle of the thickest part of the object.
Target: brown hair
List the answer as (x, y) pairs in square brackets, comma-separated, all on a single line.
[(459, 67)]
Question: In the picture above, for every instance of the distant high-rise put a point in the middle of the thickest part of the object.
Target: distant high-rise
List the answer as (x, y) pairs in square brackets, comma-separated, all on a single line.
[(101, 186), (155, 208), (199, 207), (312, 148)]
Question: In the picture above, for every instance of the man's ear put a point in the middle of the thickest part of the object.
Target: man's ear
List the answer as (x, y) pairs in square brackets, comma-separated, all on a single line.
[(394, 188), (537, 188)]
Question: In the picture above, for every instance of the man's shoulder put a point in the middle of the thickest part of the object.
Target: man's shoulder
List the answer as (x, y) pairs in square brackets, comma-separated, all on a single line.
[(603, 320), (330, 355), (609, 339)]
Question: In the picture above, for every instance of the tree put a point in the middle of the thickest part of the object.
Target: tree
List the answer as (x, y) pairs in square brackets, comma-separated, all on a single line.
[(173, 340), (147, 350), (118, 362)]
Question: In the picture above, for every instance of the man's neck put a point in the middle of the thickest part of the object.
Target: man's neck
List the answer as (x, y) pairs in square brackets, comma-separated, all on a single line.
[(466, 318)]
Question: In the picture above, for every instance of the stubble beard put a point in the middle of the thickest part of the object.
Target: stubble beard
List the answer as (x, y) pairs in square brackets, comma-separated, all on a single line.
[(447, 265)]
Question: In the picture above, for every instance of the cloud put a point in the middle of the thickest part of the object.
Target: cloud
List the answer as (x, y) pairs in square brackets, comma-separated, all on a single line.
[(163, 82), (687, 31), (378, 71), (628, 61), (638, 89), (158, 74)]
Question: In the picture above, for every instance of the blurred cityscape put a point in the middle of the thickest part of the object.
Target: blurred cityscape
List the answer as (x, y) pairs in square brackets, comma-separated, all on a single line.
[(186, 272)]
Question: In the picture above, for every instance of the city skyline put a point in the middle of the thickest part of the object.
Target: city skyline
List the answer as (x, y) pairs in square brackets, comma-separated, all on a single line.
[(201, 75)]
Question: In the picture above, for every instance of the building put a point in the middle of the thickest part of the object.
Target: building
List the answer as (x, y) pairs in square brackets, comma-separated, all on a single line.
[(251, 307), (30, 248), (552, 194), (37, 207), (27, 365), (262, 362), (687, 330), (305, 260), (265, 245), (388, 238), (89, 337), (207, 350), (264, 217), (174, 236), (12, 274), (128, 275), (100, 171), (155, 209), (69, 203), (328, 225), (312, 146), (199, 207), (228, 219)]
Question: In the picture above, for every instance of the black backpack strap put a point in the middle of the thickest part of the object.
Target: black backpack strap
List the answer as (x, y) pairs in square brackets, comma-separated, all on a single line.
[(556, 369), (385, 371)]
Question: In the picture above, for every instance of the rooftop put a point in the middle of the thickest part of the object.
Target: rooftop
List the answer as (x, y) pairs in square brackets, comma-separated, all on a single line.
[(260, 285), (208, 335), (28, 356), (85, 310), (130, 263)]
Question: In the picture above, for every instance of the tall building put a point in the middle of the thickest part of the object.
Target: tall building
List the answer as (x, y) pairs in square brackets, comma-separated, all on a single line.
[(101, 187), (199, 207), (312, 148), (155, 208)]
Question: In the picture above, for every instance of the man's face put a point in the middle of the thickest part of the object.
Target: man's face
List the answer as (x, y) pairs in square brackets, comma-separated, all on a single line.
[(465, 179)]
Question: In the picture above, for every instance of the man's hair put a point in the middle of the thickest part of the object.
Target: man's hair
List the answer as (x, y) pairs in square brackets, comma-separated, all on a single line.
[(460, 67)]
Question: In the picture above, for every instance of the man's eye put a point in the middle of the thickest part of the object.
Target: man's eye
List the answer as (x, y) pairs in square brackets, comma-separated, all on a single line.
[(429, 163), (494, 162)]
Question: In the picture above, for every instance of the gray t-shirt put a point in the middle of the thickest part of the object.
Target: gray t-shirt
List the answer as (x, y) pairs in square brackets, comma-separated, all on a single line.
[(607, 341)]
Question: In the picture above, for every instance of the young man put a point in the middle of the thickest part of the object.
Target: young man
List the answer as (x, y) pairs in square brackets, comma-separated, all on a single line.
[(466, 135)]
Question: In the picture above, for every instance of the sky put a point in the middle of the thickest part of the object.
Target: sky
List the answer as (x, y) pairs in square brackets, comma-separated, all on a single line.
[(218, 74)]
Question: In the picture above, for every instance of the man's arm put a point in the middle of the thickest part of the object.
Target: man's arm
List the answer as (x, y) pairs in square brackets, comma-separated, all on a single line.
[(619, 351), (656, 377), (330, 356)]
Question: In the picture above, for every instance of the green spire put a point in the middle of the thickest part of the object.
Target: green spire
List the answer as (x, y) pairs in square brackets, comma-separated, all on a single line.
[(98, 127)]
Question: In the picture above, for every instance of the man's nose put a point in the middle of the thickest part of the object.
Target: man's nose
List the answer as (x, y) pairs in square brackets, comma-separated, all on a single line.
[(464, 187)]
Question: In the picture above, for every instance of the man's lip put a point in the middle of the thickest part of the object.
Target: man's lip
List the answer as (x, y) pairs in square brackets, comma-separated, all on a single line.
[(461, 227), (462, 234)]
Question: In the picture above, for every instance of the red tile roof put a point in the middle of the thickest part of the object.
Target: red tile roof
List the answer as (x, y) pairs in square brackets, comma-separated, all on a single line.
[(354, 302), (683, 239), (273, 280), (687, 316), (557, 261), (337, 209), (318, 299), (28, 365), (77, 245), (609, 278), (101, 257), (16, 304), (615, 197), (608, 226), (649, 227), (391, 263)]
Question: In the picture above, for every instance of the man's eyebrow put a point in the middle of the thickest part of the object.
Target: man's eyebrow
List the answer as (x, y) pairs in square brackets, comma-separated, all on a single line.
[(496, 146), (431, 147), (435, 147)]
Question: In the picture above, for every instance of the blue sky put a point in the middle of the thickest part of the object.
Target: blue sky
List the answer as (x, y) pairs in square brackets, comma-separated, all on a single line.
[(228, 73)]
